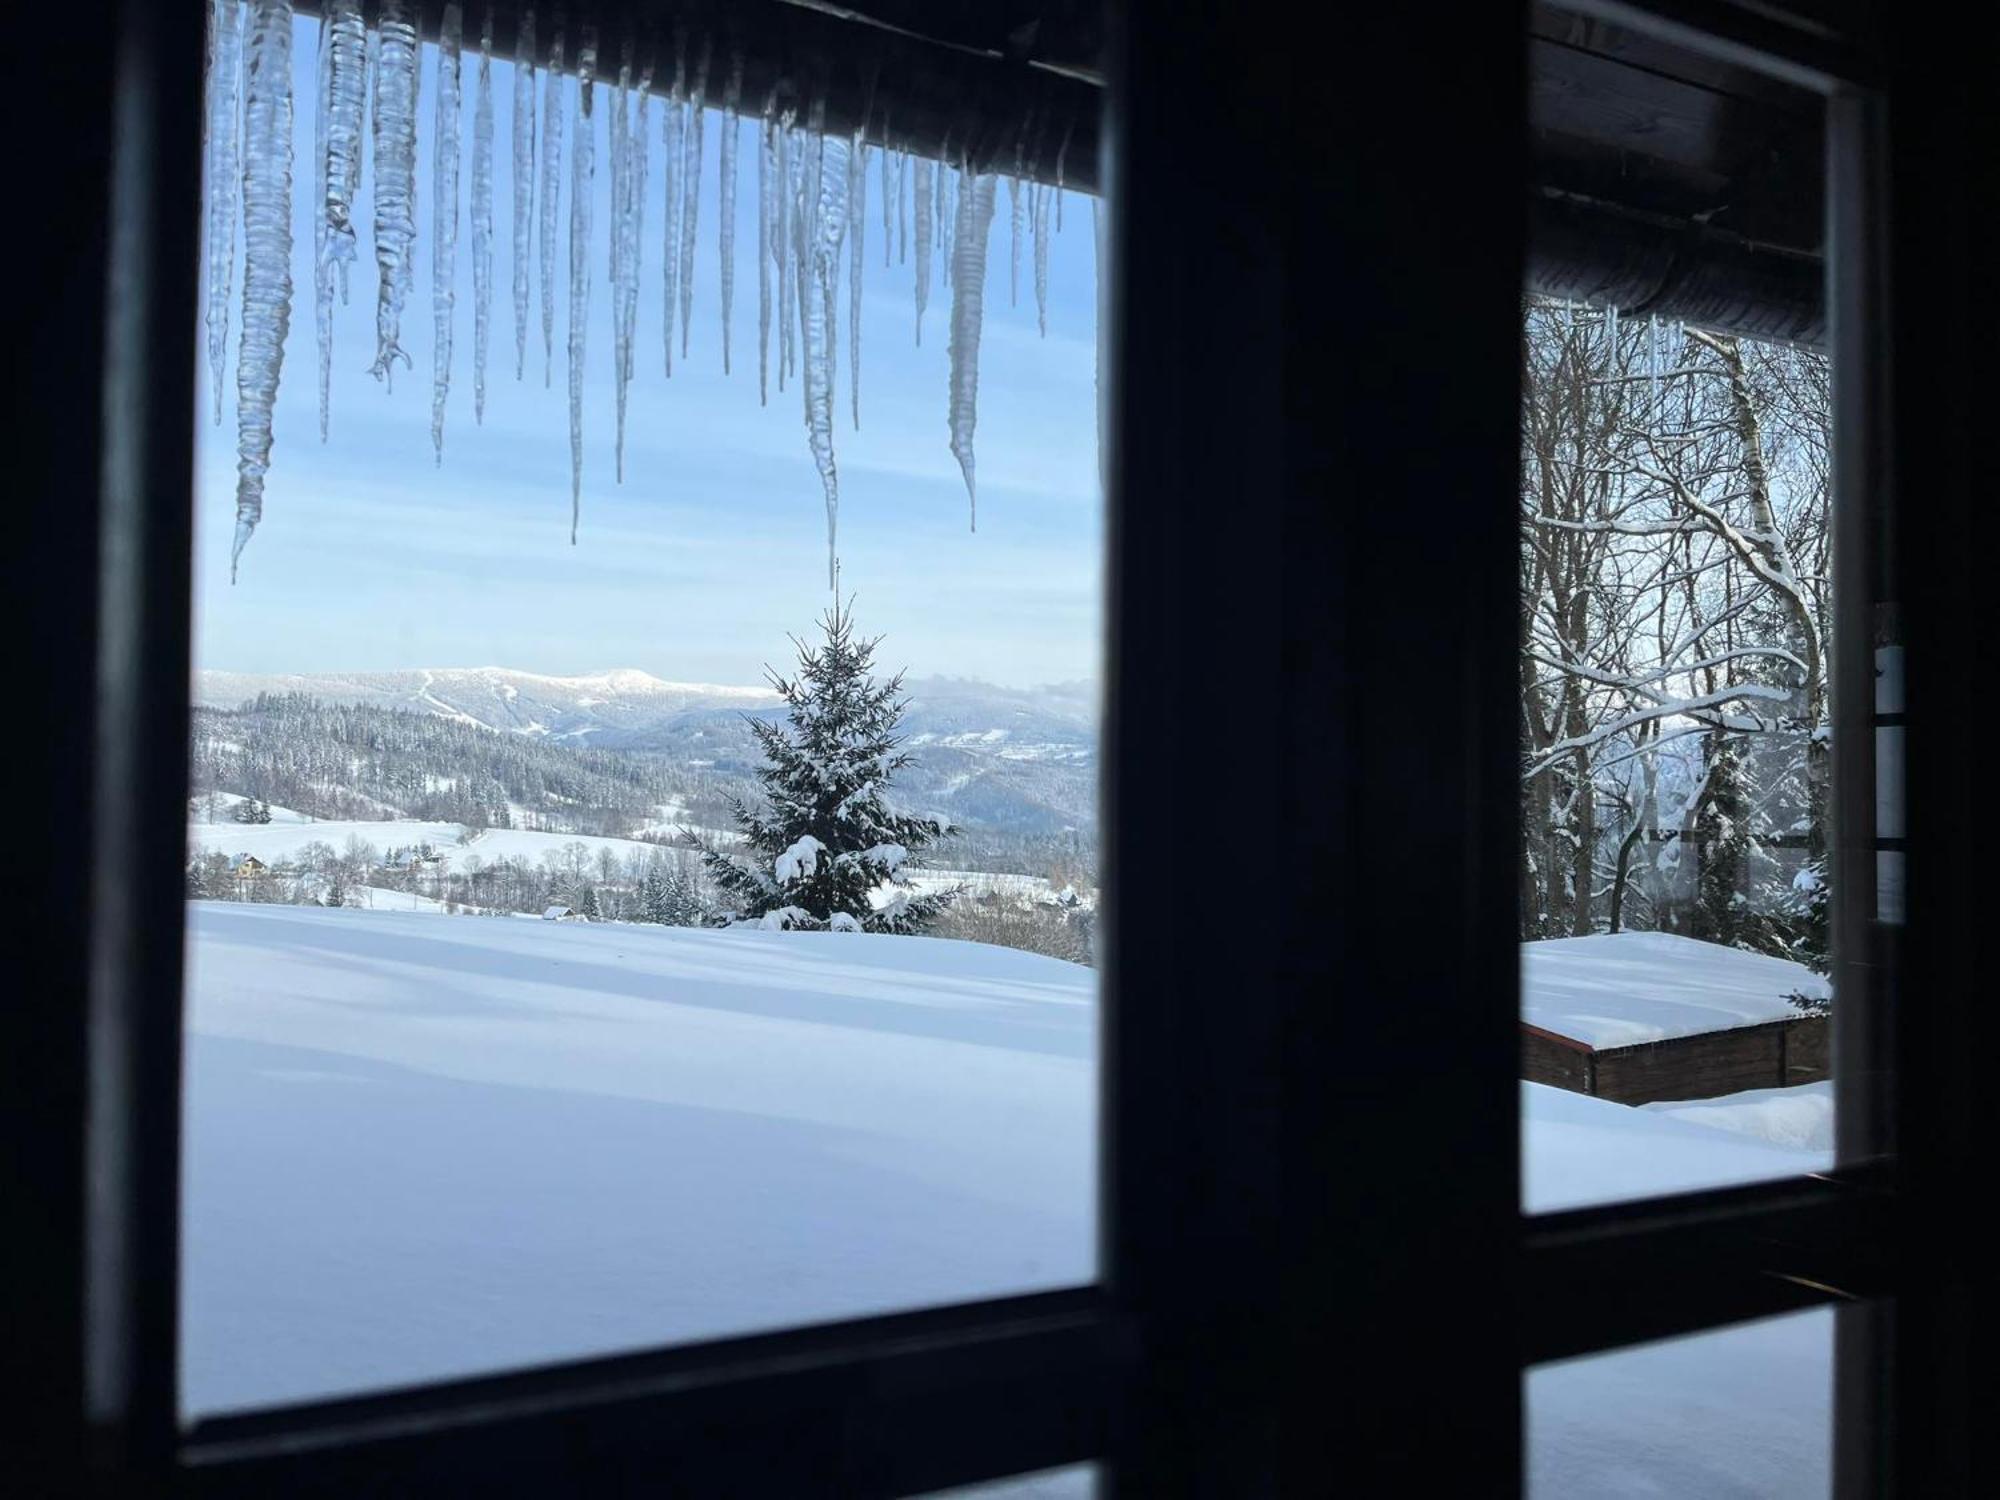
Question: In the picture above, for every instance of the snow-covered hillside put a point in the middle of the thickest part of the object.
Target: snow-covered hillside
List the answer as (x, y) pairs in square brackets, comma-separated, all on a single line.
[(420, 1146), (280, 840), (1011, 761), (497, 697)]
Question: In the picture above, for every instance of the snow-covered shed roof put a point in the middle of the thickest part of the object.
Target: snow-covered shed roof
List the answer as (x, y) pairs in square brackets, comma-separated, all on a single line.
[(1622, 989)]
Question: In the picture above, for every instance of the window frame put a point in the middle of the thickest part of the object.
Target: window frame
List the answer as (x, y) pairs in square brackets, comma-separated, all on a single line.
[(1215, 1354)]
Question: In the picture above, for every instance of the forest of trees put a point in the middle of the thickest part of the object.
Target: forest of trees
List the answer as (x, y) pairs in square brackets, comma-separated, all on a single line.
[(1674, 620), (343, 761)]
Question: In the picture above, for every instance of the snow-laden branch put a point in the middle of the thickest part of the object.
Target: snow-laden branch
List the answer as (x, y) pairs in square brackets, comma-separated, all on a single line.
[(1674, 708)]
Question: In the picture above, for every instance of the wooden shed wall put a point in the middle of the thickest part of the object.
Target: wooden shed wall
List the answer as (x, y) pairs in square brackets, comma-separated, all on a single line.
[(1555, 1060), (1774, 1055)]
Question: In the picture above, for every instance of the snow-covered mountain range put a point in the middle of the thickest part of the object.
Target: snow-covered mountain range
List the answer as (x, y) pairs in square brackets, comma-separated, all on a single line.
[(496, 697), (1016, 759)]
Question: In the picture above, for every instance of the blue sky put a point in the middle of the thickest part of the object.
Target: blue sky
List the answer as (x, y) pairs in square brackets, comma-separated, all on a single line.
[(370, 556)]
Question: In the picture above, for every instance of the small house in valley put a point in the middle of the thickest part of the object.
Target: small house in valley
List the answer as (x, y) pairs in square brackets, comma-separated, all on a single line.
[(563, 914), (1640, 1016), (248, 867)]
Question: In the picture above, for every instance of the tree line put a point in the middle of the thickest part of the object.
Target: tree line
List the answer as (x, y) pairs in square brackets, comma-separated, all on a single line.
[(1674, 516)]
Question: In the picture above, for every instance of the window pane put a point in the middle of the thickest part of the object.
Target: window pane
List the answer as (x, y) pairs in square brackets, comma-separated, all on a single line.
[(1077, 1482), (1741, 1411), (559, 984), (1676, 678)]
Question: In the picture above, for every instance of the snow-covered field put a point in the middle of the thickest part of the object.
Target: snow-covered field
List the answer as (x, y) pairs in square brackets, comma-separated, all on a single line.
[(1800, 1116), (281, 839), (418, 1148)]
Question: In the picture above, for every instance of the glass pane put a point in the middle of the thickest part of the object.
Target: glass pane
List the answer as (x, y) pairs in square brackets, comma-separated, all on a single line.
[(559, 982), (1077, 1482), (1675, 677), (1739, 1412)]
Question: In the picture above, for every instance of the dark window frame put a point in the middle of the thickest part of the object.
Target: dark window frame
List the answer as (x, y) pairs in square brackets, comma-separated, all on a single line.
[(1217, 1355)]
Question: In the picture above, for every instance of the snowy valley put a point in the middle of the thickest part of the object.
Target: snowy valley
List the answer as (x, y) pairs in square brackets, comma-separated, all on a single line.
[(420, 1147)]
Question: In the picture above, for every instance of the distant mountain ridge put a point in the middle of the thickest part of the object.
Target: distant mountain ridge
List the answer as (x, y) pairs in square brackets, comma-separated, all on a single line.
[(1019, 760), (496, 697)]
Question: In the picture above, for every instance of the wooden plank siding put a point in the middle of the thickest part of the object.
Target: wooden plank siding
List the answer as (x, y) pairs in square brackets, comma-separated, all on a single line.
[(1776, 1054), (1551, 1058)]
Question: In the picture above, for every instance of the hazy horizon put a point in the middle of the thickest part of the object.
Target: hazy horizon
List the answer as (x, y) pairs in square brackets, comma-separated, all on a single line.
[(884, 664)]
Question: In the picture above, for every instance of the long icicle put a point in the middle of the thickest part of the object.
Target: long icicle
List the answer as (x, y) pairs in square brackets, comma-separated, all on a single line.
[(808, 162), (582, 149), (225, 176), (524, 182), (968, 293), (902, 208), (637, 130), (1016, 214), (551, 196), (857, 216), (673, 126), (926, 184), (343, 90), (888, 159), (395, 129), (616, 132), (482, 218), (767, 150), (781, 250), (267, 254), (691, 191), (1040, 202), (825, 226), (945, 194), (444, 214), (732, 100)]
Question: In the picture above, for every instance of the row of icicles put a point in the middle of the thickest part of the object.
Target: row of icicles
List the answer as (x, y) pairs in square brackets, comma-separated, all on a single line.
[(812, 200)]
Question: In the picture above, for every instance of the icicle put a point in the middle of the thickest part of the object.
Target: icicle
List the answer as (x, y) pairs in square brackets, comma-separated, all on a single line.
[(524, 182), (946, 196), (726, 208), (322, 271), (395, 128), (620, 146), (1016, 214), (857, 210), (968, 293), (691, 192), (581, 157), (767, 151), (267, 253), (781, 251), (444, 215), (637, 135), (902, 208), (224, 123), (628, 202), (672, 128), (924, 192), (343, 89), (826, 223), (1039, 202), (809, 161), (551, 196), (482, 218), (888, 160)]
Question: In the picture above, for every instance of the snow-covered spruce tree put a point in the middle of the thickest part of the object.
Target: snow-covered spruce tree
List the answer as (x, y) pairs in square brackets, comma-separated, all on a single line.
[(826, 840)]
